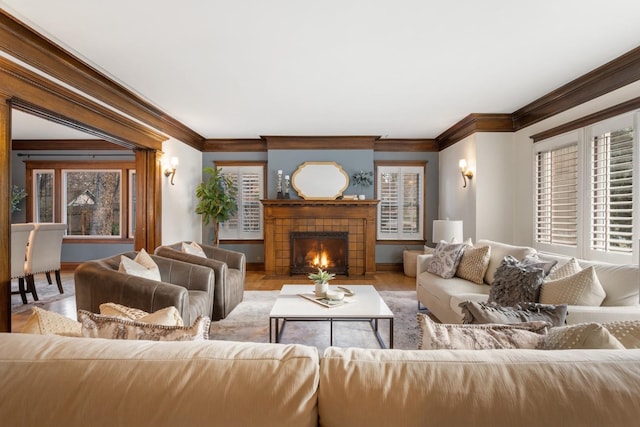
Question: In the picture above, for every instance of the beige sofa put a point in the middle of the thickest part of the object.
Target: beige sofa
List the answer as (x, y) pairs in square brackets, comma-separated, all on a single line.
[(52, 380), (443, 296)]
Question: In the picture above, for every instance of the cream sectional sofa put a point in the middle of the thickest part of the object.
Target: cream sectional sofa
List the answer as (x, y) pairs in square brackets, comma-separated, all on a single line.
[(443, 296), (62, 381)]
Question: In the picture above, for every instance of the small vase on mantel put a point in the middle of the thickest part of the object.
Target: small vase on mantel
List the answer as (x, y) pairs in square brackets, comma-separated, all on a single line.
[(321, 278)]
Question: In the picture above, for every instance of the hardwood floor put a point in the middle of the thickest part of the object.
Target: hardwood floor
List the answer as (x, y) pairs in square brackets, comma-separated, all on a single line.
[(255, 281)]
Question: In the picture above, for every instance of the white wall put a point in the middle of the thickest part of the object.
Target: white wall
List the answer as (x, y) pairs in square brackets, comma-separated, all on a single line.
[(498, 203), (179, 220), (455, 202)]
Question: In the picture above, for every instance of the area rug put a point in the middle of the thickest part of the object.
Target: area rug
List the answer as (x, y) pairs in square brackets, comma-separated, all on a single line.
[(46, 293), (249, 322)]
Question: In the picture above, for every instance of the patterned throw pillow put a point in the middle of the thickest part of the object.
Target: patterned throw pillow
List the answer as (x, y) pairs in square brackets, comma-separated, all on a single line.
[(445, 259), (99, 326), (515, 282), (570, 268), (168, 316), (625, 331), (480, 313), (473, 264), (142, 266), (580, 336), (436, 336), (534, 261), (43, 322), (193, 249), (583, 288)]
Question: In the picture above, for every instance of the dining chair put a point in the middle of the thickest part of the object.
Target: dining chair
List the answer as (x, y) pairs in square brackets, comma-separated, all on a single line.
[(43, 254), (19, 239)]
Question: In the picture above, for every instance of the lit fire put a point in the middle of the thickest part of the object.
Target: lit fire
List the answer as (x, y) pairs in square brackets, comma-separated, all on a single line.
[(320, 260)]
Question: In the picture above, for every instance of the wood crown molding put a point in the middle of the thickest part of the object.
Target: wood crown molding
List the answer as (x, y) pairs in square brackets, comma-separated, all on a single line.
[(473, 123), (320, 142), (611, 76), (607, 113), (406, 145), (29, 46), (234, 145), (34, 94), (63, 144)]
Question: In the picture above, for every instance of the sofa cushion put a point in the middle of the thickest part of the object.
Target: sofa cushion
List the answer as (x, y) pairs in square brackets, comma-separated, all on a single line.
[(168, 316), (580, 336), (625, 331), (516, 282), (480, 313), (99, 326), (142, 266), (445, 259), (498, 252), (583, 288), (473, 264), (621, 282), (437, 336), (43, 322)]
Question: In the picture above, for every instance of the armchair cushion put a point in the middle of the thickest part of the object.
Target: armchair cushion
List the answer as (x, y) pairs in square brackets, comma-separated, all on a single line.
[(142, 266), (193, 249), (99, 326)]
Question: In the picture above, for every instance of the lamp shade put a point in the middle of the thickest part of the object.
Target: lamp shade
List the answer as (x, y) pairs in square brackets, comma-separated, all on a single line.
[(447, 230)]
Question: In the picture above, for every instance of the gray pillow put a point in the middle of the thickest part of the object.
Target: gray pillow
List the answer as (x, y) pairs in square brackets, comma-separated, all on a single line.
[(480, 313), (515, 282), (546, 266), (445, 259)]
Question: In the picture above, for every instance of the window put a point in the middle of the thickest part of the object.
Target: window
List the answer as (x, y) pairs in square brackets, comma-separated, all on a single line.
[(94, 198), (247, 222), (400, 189), (556, 196), (585, 191)]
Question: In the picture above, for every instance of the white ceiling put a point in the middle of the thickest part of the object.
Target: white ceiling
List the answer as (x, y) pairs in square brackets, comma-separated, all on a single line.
[(395, 68)]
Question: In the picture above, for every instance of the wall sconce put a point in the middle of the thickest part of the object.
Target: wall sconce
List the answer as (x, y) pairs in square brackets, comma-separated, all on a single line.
[(466, 173), (171, 171)]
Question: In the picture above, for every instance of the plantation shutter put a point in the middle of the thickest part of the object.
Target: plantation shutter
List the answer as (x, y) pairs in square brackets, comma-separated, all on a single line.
[(556, 196), (612, 191), (247, 222), (401, 208)]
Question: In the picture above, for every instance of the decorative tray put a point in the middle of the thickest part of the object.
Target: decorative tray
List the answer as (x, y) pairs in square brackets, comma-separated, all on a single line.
[(324, 301)]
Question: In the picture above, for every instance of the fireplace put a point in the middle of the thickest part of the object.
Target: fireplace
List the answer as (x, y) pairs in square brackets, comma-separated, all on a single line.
[(311, 250)]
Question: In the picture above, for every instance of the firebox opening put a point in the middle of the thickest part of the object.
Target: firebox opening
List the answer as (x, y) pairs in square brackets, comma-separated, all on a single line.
[(327, 250)]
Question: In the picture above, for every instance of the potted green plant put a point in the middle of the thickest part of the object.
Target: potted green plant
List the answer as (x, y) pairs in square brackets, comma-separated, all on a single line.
[(321, 279), (17, 194), (217, 197), (362, 180)]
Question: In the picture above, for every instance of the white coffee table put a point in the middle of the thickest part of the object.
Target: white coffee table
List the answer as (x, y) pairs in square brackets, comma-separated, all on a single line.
[(366, 304)]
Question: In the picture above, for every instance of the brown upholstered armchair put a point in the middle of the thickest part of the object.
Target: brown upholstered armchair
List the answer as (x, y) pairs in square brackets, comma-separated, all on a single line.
[(230, 270), (186, 286)]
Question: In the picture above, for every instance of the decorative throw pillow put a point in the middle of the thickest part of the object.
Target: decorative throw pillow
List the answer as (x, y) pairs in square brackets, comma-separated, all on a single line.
[(583, 288), (625, 331), (480, 313), (193, 249), (436, 336), (569, 268), (580, 336), (515, 282), (168, 316), (142, 266), (534, 261), (99, 326), (445, 259), (474, 263), (43, 322)]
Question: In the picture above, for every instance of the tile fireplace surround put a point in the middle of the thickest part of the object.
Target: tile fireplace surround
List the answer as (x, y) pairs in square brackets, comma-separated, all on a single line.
[(357, 217)]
